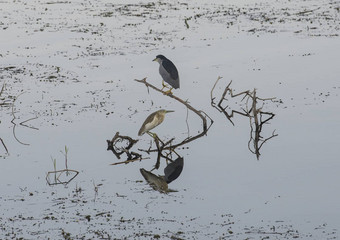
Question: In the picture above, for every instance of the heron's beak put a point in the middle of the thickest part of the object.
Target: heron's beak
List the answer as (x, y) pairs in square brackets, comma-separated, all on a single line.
[(155, 60), (169, 111)]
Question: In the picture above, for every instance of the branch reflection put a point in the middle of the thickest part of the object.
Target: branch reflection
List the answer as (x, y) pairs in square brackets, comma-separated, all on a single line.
[(253, 110)]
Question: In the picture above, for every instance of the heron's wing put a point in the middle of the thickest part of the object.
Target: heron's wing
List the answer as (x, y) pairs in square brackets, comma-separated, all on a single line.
[(148, 124), (170, 68)]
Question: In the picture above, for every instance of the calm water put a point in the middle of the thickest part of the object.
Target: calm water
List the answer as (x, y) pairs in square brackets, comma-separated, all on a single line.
[(77, 78)]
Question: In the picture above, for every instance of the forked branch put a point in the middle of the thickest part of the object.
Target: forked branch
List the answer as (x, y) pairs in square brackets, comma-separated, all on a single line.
[(201, 114), (252, 111)]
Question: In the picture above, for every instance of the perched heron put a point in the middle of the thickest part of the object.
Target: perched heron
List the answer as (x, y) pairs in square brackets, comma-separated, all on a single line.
[(168, 71), (152, 121), (173, 170)]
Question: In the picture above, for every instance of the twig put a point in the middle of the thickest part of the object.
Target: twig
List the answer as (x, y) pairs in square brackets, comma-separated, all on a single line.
[(14, 124), (23, 123), (57, 181), (307, 11), (219, 106), (3, 144), (111, 145), (254, 114), (129, 161)]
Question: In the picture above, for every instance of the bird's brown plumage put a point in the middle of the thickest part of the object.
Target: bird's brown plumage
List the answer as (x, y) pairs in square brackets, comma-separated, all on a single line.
[(152, 121)]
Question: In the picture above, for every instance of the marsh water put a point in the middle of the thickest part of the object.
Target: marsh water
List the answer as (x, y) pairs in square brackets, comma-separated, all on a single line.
[(68, 71)]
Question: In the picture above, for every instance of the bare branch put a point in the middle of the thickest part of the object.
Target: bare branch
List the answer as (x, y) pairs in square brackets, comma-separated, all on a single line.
[(129, 161), (119, 150), (57, 178), (197, 112), (252, 111)]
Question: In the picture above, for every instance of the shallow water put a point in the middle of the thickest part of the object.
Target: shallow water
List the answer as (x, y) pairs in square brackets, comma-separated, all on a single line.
[(73, 68)]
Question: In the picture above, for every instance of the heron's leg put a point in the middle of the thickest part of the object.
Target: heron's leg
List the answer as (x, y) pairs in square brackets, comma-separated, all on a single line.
[(153, 135), (168, 92), (164, 85)]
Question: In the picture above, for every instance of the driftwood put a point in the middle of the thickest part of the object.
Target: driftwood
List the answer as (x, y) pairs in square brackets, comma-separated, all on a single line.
[(119, 150), (252, 111)]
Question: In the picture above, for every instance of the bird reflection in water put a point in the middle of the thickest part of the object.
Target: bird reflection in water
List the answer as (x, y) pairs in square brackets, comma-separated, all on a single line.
[(171, 172)]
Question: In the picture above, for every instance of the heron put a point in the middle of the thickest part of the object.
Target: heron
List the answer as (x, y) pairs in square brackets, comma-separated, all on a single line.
[(168, 71), (152, 121)]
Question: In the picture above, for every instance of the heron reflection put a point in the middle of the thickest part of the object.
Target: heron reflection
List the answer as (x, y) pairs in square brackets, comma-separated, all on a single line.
[(171, 172)]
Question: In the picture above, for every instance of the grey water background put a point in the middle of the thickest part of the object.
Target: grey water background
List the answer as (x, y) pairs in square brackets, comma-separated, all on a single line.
[(74, 65)]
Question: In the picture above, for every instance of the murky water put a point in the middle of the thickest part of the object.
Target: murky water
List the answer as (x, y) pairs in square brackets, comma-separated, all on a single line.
[(71, 68)]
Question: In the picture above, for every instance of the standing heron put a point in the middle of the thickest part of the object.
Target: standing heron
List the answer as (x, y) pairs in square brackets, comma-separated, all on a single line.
[(168, 71), (152, 121)]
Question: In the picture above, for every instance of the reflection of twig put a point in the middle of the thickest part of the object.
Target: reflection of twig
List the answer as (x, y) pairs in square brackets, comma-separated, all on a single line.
[(65, 155), (2, 89), (112, 145), (307, 11), (58, 173), (14, 124), (201, 114), (96, 187), (256, 119), (3, 144), (57, 178), (22, 123), (219, 106), (128, 161), (254, 113)]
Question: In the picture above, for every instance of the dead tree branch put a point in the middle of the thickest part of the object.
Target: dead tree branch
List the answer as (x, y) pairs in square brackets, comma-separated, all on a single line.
[(219, 106), (119, 150), (200, 113), (252, 111)]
